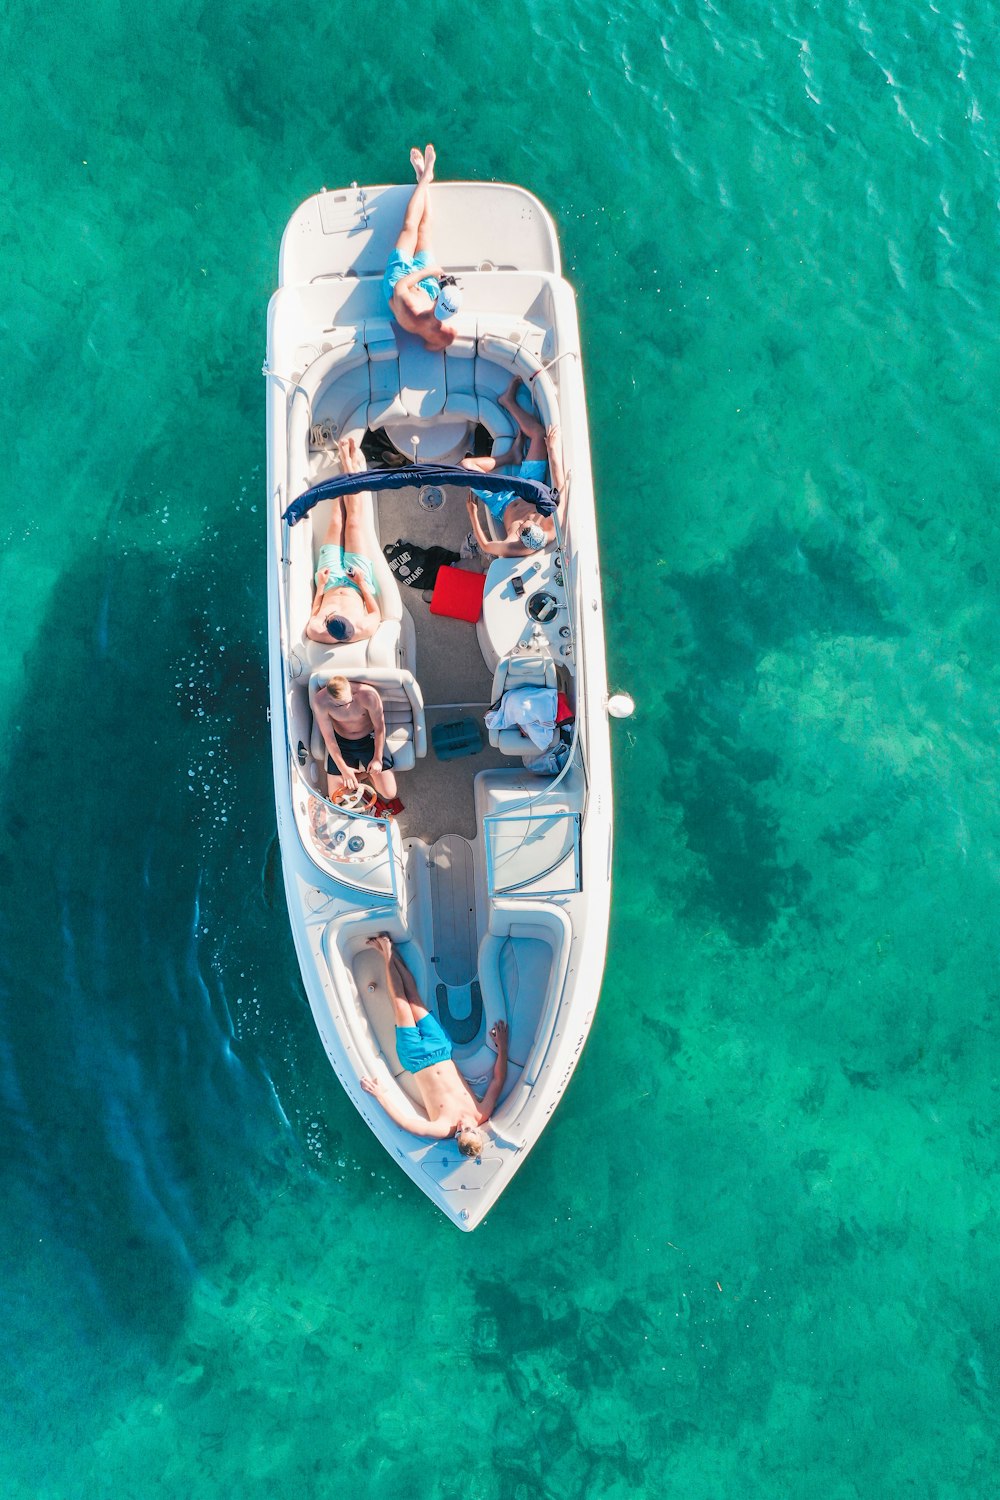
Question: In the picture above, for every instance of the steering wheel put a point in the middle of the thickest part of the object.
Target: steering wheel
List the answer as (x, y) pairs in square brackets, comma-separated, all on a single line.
[(362, 799)]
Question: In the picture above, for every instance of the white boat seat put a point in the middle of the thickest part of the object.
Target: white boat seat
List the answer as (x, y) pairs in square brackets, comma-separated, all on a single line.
[(383, 373), (459, 355), (514, 331), (531, 670), (516, 968), (522, 968), (402, 704), (422, 388), (499, 358), (330, 388)]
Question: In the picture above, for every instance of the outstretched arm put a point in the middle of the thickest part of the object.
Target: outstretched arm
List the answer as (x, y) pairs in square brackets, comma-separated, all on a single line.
[(420, 274), (486, 1108), (317, 604), (486, 545), (553, 441), (405, 1117), (334, 751), (314, 630), (406, 288), (377, 715), (373, 615)]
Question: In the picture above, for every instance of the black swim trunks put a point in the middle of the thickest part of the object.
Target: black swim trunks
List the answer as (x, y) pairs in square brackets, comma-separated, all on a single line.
[(358, 753)]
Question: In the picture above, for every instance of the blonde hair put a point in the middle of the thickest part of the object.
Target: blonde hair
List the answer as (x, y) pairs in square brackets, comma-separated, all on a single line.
[(339, 688), (470, 1142)]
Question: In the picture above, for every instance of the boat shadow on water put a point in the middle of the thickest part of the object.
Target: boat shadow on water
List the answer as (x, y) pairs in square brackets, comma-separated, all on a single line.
[(131, 1095)]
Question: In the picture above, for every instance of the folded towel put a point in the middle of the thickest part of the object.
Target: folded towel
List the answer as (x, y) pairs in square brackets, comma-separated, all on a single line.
[(530, 709)]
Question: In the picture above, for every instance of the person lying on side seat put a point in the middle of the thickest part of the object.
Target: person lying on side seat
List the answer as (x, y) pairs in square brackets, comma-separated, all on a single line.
[(351, 720), (424, 1049), (526, 529), (345, 607)]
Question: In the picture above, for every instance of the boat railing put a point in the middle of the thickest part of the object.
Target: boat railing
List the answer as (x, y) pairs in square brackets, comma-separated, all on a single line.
[(292, 387), (574, 612)]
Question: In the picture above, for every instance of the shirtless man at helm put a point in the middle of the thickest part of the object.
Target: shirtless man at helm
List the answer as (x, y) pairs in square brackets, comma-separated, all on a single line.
[(420, 296), (351, 719), (424, 1050)]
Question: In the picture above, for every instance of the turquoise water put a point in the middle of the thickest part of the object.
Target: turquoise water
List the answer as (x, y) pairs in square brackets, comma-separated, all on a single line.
[(755, 1254)]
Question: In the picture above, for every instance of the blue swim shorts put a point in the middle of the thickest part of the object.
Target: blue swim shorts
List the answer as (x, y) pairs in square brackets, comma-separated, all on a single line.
[(420, 1046), (399, 266), (533, 468), (338, 561)]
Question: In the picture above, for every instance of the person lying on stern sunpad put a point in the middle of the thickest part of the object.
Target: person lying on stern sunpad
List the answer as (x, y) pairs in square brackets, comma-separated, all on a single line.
[(424, 1049)]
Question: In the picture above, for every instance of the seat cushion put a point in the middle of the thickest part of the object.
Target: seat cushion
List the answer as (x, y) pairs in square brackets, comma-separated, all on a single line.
[(458, 594)]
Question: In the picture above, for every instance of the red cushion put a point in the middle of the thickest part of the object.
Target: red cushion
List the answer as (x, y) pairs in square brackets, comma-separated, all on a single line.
[(458, 594)]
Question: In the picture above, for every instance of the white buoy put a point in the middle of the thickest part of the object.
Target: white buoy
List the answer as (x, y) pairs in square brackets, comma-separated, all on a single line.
[(621, 706)]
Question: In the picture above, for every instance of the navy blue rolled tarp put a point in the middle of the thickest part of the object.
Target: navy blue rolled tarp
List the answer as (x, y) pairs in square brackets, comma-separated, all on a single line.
[(417, 475)]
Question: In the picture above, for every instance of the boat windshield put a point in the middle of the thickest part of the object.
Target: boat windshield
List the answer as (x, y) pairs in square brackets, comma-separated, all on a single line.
[(532, 854), (356, 847)]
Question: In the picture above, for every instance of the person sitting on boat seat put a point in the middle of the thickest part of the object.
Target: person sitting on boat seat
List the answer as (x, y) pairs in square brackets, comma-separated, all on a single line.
[(424, 1049), (526, 530), (345, 607), (352, 722), (420, 297)]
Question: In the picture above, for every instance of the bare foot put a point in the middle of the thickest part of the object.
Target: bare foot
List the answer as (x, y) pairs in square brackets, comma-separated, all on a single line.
[(349, 455), (417, 161), (430, 157), (383, 943), (509, 397)]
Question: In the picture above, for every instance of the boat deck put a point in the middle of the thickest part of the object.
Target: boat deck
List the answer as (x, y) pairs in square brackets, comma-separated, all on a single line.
[(493, 882), (437, 794)]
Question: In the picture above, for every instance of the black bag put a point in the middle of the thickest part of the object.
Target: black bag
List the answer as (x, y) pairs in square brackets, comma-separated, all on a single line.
[(380, 451), (415, 565)]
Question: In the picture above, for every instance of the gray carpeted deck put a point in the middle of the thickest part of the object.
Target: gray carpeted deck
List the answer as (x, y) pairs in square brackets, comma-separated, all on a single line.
[(450, 666), (437, 795)]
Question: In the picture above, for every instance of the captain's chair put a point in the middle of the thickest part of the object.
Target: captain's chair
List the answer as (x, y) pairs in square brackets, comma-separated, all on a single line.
[(532, 670), (402, 704)]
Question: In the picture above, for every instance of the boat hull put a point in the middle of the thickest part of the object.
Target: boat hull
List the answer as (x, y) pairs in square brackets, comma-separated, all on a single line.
[(539, 935)]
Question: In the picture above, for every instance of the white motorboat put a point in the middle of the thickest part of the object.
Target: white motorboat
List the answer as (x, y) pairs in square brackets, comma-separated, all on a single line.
[(494, 880)]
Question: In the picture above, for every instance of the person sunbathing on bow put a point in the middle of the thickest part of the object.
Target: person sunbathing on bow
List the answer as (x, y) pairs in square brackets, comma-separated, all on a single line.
[(527, 530), (424, 1049), (420, 296)]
